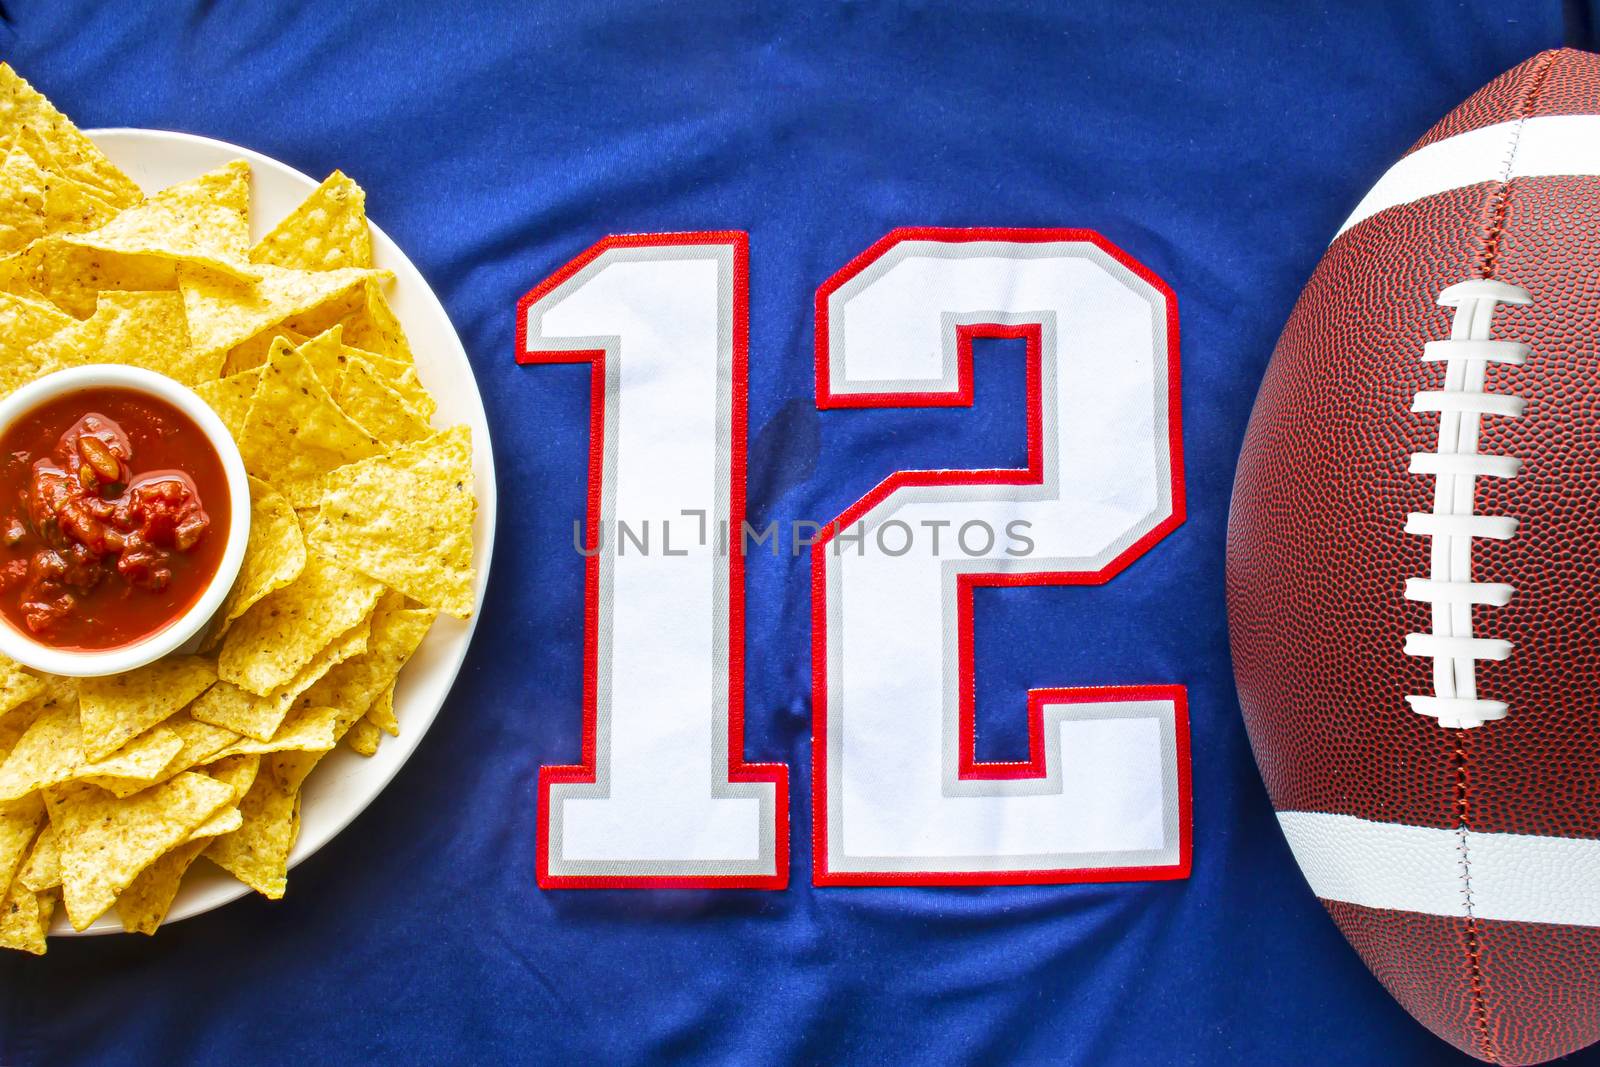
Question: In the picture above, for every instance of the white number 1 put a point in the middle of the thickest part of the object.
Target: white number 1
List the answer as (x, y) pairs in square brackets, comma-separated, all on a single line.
[(663, 796)]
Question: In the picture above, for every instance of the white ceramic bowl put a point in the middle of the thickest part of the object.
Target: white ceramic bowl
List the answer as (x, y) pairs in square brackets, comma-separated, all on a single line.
[(23, 648)]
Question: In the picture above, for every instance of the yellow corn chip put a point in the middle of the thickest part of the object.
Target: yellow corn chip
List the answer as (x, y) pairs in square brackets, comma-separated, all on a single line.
[(251, 354), (17, 686), (362, 738), (42, 869), (25, 918), (424, 549), (401, 377), (34, 203), (19, 824), (324, 354), (200, 741), (73, 154), (138, 329), (105, 842), (238, 771), (351, 687), (328, 230), (230, 398), (25, 326), (382, 715), (202, 221), (275, 556), (17, 722), (306, 730), (373, 405), (73, 277), (148, 898), (269, 644), (225, 821), (373, 325), (259, 717), (258, 853), (354, 686), (224, 313), (118, 708), (51, 752), (295, 433)]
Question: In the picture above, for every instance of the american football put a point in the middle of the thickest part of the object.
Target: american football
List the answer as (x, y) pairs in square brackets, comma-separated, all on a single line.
[(1411, 591)]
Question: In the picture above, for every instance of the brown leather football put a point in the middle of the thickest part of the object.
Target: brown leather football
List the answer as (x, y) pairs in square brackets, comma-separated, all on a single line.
[(1414, 571)]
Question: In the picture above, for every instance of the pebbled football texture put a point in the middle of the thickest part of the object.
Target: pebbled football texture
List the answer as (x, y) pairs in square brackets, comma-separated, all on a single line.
[(1318, 558)]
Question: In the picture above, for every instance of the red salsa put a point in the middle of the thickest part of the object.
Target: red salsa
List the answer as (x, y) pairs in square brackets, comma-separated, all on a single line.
[(114, 515)]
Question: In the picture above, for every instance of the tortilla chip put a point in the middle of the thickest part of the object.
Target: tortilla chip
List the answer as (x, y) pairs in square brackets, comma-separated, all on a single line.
[(42, 869), (148, 898), (295, 433), (401, 377), (17, 685), (374, 326), (275, 554), (258, 853), (273, 641), (373, 405), (424, 549), (34, 202), (137, 329), (19, 824), (230, 398), (105, 842), (251, 354), (238, 771), (25, 918), (118, 708), (362, 738), (16, 723), (382, 715), (327, 231), (224, 313), (260, 717), (51, 752), (73, 277), (72, 154), (307, 730), (202, 221), (25, 326), (353, 687), (225, 821), (199, 742)]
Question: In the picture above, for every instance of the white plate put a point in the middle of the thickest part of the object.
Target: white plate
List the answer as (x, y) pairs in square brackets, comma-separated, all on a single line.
[(343, 783)]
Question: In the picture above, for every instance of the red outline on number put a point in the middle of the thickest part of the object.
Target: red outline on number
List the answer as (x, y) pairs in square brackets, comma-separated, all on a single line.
[(970, 768), (738, 770)]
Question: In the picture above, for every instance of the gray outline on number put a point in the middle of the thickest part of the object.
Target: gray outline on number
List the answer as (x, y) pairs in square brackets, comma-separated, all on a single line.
[(1054, 714), (763, 792)]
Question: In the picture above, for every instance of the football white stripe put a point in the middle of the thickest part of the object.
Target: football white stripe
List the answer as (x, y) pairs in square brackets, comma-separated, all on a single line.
[(1548, 145), (1515, 877)]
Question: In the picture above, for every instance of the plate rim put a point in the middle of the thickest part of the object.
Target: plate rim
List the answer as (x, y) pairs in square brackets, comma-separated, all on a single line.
[(488, 513)]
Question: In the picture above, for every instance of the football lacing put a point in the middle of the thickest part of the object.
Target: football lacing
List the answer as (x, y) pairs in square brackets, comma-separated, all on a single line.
[(1451, 525)]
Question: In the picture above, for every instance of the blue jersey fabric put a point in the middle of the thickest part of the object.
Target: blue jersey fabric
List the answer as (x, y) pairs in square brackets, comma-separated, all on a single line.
[(1221, 145)]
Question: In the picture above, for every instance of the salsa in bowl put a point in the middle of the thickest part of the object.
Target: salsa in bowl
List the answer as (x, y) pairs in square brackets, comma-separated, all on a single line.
[(124, 515)]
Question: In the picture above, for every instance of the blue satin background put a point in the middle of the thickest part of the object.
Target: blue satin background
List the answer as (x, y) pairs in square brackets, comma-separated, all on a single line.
[(1220, 145)]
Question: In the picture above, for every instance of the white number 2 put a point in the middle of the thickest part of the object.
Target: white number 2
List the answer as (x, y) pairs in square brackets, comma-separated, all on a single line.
[(898, 795), (663, 796)]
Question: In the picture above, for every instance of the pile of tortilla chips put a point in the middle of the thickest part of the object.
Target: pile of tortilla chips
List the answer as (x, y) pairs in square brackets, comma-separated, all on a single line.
[(110, 788)]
